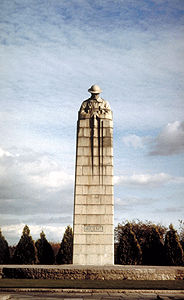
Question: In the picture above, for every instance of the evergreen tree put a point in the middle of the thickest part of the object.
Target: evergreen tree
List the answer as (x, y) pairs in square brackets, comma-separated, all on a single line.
[(182, 244), (128, 250), (65, 253), (25, 252), (44, 251), (150, 238), (143, 231), (181, 236), (4, 250), (152, 248), (172, 248), (12, 251), (55, 247)]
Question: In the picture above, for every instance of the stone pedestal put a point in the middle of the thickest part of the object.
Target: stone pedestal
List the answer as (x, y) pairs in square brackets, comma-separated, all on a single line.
[(93, 203)]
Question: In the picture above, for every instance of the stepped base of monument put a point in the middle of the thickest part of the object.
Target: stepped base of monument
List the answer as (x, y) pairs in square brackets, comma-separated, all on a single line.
[(72, 272)]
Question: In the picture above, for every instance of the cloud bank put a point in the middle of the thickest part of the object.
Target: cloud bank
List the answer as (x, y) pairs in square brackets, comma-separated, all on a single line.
[(170, 140), (34, 190), (147, 180)]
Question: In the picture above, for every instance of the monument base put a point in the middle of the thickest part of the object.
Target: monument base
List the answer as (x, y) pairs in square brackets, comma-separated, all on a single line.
[(117, 272)]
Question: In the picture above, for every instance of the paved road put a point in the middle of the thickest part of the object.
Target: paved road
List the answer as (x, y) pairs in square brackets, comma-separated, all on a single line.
[(91, 296)]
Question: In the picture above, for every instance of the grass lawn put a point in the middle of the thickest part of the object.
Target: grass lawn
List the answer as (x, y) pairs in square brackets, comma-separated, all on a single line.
[(93, 284)]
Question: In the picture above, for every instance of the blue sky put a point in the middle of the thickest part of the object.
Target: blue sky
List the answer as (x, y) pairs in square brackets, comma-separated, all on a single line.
[(51, 53)]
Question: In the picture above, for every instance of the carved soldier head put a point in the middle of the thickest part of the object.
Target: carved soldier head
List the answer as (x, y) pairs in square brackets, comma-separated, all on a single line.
[(95, 91)]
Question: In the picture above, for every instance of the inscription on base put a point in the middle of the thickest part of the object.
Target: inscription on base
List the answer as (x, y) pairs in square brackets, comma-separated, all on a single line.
[(93, 228)]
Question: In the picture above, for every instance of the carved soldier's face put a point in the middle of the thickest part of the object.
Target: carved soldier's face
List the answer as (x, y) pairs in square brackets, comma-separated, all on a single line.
[(94, 96)]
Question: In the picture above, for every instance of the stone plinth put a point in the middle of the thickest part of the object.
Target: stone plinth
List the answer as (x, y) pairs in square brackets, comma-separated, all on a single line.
[(115, 272), (93, 203)]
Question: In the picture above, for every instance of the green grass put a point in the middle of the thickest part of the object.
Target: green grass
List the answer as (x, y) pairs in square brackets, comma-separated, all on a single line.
[(93, 284)]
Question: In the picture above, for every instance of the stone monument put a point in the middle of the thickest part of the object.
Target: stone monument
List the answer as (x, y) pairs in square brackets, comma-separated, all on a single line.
[(94, 196)]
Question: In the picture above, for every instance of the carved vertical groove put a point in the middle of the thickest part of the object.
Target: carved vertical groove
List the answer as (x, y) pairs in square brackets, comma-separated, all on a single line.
[(92, 140), (98, 119), (102, 151)]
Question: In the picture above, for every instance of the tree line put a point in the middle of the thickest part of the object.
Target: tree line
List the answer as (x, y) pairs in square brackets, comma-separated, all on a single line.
[(27, 251), (148, 244), (135, 243)]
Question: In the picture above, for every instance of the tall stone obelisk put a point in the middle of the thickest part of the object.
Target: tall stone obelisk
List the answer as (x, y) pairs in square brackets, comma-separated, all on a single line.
[(93, 199)]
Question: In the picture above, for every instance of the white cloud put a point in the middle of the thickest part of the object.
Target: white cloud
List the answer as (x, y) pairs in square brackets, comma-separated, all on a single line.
[(31, 182), (170, 140), (171, 209), (5, 153), (14, 232), (54, 179), (133, 140), (38, 169), (128, 202), (149, 180)]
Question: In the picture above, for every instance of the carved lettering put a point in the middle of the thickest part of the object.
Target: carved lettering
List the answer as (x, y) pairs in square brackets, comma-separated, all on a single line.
[(93, 228)]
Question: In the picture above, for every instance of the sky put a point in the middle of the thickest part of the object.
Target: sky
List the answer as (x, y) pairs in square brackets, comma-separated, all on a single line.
[(51, 52)]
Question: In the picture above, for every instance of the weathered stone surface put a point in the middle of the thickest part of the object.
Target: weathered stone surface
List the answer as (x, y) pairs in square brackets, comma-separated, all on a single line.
[(94, 203), (89, 272)]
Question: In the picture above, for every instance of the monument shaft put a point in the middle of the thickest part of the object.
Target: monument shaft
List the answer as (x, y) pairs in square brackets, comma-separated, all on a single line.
[(93, 199)]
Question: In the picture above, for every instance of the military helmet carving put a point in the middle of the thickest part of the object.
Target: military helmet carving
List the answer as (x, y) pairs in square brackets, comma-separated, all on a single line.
[(95, 89)]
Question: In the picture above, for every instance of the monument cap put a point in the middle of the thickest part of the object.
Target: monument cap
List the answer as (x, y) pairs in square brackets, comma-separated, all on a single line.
[(95, 89)]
